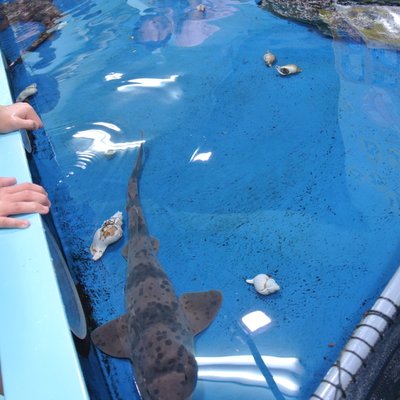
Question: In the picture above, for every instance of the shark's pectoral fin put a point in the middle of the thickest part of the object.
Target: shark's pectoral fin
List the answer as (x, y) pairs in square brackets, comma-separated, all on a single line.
[(112, 338), (200, 308)]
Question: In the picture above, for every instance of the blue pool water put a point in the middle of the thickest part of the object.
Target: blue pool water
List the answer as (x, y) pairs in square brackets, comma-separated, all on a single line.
[(301, 180)]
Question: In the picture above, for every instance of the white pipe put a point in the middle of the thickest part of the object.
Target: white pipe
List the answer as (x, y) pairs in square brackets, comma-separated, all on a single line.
[(356, 351)]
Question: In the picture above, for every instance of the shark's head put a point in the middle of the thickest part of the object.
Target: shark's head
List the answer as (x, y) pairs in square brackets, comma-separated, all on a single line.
[(171, 378)]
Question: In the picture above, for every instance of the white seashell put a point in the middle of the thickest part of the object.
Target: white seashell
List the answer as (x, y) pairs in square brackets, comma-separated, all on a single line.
[(269, 58), (108, 233), (264, 284), (27, 92), (201, 7), (288, 69)]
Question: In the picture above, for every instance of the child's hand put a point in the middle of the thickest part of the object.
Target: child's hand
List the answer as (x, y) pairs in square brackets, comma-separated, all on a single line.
[(18, 116), (23, 198)]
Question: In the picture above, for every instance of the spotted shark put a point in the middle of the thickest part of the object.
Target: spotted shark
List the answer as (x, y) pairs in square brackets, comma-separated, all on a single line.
[(157, 330)]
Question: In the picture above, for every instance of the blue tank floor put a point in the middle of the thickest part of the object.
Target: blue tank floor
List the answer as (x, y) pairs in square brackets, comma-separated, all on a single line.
[(301, 183)]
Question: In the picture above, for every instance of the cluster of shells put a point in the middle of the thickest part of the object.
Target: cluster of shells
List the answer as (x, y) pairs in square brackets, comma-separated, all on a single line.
[(284, 70)]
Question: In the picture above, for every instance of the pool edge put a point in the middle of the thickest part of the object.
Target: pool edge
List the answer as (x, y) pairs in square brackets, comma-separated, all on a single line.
[(38, 351)]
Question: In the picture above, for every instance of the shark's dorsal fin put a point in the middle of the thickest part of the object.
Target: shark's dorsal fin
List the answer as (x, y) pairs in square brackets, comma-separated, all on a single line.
[(112, 338), (200, 308)]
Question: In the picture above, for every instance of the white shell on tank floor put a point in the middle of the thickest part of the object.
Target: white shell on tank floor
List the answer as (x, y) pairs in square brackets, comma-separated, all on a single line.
[(264, 284), (109, 232), (269, 58), (289, 69), (27, 92)]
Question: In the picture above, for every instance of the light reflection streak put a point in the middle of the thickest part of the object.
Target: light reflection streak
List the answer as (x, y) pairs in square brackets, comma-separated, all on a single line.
[(288, 384), (238, 376), (108, 125), (113, 76), (287, 363), (255, 321), (83, 156), (278, 374), (196, 156), (81, 164), (146, 83), (101, 143)]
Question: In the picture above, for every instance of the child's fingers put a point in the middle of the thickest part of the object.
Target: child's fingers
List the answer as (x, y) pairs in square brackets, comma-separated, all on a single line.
[(7, 182), (30, 196), (6, 222), (28, 124), (9, 208), (25, 186)]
